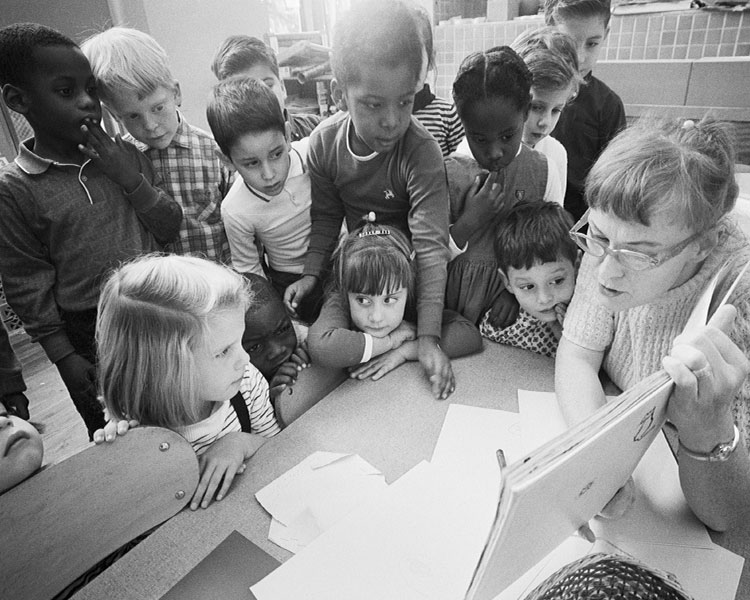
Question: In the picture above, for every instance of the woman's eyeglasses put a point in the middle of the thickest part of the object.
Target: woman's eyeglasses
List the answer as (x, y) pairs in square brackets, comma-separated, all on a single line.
[(630, 259)]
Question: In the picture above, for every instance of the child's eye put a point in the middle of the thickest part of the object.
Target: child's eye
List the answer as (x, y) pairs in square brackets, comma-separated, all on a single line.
[(283, 329), (159, 108), (478, 139), (276, 155), (223, 352), (556, 111), (592, 44), (362, 300), (537, 108), (391, 300), (251, 164), (558, 281), (65, 92), (527, 287), (92, 90)]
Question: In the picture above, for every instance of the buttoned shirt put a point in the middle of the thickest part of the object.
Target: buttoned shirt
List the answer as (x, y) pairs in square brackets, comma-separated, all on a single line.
[(194, 176)]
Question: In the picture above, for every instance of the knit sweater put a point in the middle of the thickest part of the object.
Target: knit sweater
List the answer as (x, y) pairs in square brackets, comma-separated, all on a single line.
[(635, 340)]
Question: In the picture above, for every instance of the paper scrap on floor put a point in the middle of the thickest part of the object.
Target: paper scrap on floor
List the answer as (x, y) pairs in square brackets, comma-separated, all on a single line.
[(312, 496), (659, 529)]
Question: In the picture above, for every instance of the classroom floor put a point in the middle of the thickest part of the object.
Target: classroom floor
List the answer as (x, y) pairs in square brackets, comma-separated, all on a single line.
[(49, 402)]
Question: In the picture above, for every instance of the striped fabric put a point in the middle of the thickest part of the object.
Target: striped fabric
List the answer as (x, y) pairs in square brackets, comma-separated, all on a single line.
[(223, 420), (439, 117)]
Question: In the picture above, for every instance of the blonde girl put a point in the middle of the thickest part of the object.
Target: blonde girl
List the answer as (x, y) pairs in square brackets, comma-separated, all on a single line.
[(169, 335)]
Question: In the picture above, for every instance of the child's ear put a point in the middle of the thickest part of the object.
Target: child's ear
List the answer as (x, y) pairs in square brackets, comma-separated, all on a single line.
[(337, 94), (225, 160), (15, 98), (503, 277), (177, 94)]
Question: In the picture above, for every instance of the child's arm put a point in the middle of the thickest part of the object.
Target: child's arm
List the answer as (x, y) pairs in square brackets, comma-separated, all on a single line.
[(577, 384), (133, 172), (332, 342), (224, 459), (242, 246), (459, 338), (326, 215)]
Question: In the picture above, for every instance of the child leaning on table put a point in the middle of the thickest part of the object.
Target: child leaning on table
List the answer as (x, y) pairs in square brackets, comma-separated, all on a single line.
[(169, 335), (269, 204), (137, 86), (368, 323), (374, 156), (537, 260)]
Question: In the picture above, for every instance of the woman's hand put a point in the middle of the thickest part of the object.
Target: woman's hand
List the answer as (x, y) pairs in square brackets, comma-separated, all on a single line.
[(221, 463), (708, 370), (438, 367)]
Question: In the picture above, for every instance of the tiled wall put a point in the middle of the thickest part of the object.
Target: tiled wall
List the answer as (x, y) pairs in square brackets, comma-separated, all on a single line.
[(677, 35)]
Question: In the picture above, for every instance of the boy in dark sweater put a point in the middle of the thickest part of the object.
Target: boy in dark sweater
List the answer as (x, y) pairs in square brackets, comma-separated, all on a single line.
[(597, 114), (74, 204)]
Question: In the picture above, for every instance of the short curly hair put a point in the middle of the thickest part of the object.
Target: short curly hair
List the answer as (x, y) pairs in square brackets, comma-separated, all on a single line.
[(17, 45)]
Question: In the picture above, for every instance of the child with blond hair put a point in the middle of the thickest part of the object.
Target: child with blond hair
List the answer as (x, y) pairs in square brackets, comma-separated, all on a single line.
[(135, 83)]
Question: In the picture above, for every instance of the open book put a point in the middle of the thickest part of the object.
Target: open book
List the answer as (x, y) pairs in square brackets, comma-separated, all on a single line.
[(550, 493)]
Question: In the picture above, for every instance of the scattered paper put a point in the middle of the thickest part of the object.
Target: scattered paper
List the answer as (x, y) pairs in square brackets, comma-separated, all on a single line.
[(471, 437), (317, 493), (420, 540)]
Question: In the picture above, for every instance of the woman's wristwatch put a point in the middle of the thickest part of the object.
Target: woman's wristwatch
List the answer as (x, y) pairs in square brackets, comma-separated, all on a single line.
[(721, 452)]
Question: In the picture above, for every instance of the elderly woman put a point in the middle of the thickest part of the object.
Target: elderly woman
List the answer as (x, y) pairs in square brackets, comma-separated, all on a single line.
[(658, 230)]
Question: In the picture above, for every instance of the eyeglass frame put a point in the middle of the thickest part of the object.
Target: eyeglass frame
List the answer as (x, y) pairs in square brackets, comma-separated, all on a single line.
[(581, 240)]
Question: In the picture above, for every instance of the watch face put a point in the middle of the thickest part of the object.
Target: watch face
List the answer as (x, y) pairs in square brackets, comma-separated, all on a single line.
[(723, 451)]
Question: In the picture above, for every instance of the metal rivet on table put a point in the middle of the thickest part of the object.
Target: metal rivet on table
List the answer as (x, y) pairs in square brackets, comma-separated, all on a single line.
[(179, 495), (164, 446)]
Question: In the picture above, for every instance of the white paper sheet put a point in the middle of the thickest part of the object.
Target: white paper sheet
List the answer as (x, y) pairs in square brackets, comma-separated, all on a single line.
[(421, 540), (315, 494), (471, 436)]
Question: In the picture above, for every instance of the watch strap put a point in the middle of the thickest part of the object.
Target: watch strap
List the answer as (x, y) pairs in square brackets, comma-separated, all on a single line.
[(721, 452)]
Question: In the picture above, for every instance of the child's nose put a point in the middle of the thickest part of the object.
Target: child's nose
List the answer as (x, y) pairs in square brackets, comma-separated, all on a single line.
[(543, 296), (266, 172), (390, 118), (496, 151), (376, 313)]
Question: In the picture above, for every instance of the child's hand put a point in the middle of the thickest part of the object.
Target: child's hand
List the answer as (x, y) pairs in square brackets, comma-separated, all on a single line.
[(405, 332), (438, 367), (561, 309), (17, 404), (504, 310), (295, 293), (79, 376), (485, 200), (110, 156), (301, 356), (220, 463), (113, 429), (284, 378), (376, 367)]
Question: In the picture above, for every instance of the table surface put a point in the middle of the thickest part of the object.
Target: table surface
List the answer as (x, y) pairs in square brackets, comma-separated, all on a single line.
[(393, 424)]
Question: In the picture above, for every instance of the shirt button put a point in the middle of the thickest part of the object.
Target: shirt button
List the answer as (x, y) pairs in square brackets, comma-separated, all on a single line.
[(84, 178)]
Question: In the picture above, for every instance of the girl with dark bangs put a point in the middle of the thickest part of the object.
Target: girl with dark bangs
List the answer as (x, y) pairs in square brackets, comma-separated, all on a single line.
[(368, 322)]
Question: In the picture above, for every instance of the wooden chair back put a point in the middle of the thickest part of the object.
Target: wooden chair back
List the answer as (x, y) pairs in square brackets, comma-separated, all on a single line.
[(65, 519)]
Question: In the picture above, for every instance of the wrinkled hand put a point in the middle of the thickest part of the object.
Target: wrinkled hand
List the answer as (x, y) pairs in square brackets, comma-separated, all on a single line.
[(17, 404), (376, 367), (504, 310), (110, 156), (438, 367), (296, 292), (219, 465), (708, 370)]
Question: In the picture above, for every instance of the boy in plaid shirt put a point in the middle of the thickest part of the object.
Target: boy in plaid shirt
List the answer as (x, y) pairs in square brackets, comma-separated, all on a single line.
[(136, 85)]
